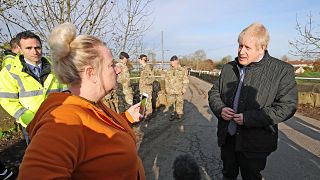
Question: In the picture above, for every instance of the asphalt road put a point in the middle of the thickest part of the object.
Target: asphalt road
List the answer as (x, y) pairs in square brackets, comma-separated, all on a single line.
[(297, 157)]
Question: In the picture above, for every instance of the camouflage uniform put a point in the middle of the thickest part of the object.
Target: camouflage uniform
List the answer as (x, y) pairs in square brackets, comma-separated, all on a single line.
[(124, 91), (176, 83), (111, 101), (145, 85)]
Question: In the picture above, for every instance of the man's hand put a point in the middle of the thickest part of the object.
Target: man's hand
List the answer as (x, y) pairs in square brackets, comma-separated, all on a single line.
[(227, 113), (238, 118)]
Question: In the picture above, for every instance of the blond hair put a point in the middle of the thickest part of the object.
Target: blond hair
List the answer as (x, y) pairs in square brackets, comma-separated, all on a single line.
[(258, 31), (71, 53)]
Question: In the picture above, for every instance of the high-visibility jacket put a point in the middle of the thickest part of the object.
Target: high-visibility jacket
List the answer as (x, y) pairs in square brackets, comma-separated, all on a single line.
[(8, 58), (22, 92)]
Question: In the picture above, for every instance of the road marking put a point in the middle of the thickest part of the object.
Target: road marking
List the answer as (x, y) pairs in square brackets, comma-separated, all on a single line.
[(302, 140), (206, 175), (155, 168), (292, 146), (315, 163), (316, 130)]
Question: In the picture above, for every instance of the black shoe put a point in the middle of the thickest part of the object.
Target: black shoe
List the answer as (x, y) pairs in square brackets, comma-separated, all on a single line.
[(6, 174), (172, 117)]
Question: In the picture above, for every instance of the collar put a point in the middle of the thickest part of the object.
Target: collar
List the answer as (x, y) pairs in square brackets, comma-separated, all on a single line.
[(31, 66), (255, 64)]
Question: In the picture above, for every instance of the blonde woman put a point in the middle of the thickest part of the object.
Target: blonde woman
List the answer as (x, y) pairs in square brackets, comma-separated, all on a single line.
[(73, 135)]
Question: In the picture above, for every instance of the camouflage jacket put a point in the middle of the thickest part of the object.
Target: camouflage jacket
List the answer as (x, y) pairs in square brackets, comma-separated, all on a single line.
[(146, 78), (176, 80), (124, 76)]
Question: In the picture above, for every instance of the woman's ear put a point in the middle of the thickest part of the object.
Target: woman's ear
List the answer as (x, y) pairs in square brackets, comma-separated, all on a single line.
[(90, 74)]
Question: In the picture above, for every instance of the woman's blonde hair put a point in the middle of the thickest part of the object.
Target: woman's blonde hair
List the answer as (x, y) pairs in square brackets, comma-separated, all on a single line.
[(71, 53), (258, 31)]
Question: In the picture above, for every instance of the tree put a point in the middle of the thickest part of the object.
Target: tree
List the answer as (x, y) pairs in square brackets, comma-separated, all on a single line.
[(119, 23), (307, 44), (130, 26), (207, 65), (284, 58), (223, 61), (199, 56), (316, 66)]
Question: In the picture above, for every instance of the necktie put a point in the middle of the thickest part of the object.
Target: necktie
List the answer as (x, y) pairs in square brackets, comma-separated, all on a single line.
[(36, 71), (232, 127)]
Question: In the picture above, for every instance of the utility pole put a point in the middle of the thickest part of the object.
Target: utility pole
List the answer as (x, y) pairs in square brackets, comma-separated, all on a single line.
[(162, 51)]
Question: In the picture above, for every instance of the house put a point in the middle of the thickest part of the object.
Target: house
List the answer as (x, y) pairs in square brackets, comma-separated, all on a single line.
[(300, 65)]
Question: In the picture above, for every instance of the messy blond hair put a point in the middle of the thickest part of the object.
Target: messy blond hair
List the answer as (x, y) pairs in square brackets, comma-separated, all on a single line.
[(71, 53), (258, 31)]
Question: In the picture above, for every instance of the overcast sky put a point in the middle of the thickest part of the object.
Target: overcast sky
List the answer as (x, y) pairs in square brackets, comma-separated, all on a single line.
[(214, 25)]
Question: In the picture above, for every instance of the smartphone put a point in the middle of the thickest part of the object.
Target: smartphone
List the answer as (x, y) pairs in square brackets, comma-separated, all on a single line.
[(144, 101)]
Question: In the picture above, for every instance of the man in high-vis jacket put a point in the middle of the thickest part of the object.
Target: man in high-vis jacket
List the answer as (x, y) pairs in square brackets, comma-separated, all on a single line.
[(26, 81), (9, 54)]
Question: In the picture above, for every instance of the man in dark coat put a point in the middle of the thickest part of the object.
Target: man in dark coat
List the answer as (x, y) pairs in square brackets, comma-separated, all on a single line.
[(253, 94)]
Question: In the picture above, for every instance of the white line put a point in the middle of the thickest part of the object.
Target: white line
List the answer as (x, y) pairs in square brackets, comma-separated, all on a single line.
[(316, 130), (292, 146), (307, 78), (206, 175), (315, 163)]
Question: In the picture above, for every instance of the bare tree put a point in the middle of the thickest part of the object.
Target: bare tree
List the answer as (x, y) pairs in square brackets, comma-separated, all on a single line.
[(284, 58), (307, 44), (199, 56), (130, 24), (94, 17)]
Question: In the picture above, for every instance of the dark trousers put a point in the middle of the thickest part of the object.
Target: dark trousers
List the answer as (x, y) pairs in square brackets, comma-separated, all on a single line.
[(2, 167), (249, 163)]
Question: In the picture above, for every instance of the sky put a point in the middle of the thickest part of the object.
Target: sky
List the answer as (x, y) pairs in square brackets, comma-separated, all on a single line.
[(214, 25)]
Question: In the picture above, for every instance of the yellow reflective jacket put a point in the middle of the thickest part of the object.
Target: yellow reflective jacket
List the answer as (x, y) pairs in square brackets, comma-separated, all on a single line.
[(8, 58), (21, 92)]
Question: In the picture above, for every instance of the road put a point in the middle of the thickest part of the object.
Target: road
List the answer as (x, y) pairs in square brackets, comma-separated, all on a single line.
[(297, 157)]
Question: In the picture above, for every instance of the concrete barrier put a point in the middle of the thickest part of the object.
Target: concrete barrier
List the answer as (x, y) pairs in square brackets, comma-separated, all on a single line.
[(309, 94)]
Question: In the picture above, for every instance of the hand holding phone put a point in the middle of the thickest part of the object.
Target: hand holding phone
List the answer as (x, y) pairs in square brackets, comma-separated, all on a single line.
[(144, 101)]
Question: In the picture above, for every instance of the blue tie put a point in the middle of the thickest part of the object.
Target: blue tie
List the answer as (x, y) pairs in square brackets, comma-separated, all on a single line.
[(232, 127), (36, 71)]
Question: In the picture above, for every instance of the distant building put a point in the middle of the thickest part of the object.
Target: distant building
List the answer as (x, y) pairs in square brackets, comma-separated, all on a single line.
[(298, 70), (300, 65)]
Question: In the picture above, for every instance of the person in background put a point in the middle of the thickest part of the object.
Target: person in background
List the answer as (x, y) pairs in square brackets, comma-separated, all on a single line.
[(124, 91), (27, 80), (145, 83), (111, 100), (73, 134), (176, 84), (254, 93), (9, 54), (185, 167)]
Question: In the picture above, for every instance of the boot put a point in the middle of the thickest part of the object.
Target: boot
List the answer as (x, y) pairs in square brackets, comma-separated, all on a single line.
[(172, 117), (180, 117)]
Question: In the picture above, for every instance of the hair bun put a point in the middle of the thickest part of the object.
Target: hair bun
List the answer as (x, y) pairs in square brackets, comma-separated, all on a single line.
[(60, 39)]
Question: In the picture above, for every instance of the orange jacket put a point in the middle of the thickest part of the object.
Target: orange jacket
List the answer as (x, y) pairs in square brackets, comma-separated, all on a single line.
[(73, 139)]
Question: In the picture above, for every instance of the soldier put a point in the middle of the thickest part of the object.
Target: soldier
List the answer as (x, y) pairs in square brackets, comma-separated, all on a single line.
[(124, 91), (111, 101), (146, 81), (177, 78)]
